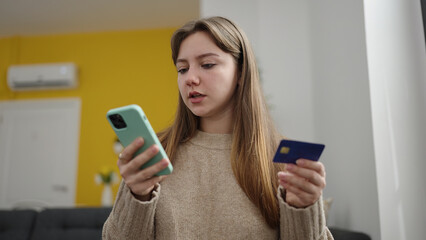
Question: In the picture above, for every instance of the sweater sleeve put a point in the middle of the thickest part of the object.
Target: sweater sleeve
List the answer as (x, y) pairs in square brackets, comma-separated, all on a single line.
[(306, 223), (131, 218)]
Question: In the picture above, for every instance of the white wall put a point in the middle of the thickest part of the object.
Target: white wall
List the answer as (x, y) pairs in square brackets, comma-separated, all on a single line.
[(313, 63), (246, 17), (342, 112), (284, 59), (397, 72)]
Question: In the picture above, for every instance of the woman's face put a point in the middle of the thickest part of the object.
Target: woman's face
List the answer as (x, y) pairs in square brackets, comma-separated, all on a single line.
[(207, 77)]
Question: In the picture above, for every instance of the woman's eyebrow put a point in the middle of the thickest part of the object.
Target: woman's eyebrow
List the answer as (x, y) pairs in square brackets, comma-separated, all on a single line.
[(207, 55), (198, 57), (181, 60)]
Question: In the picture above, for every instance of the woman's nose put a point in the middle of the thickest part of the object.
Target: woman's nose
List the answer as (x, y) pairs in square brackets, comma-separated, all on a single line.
[(192, 77)]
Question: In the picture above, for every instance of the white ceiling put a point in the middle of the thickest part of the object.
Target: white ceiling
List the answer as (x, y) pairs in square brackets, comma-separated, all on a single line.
[(40, 17)]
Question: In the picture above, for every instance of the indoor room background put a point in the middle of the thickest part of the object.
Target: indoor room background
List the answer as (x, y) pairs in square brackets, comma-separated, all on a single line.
[(349, 74), (115, 67)]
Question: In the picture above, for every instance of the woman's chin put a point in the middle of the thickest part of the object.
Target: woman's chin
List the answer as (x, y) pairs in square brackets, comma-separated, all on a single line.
[(199, 112)]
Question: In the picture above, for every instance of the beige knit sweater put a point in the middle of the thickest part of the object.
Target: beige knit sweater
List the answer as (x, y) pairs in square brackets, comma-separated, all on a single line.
[(202, 200)]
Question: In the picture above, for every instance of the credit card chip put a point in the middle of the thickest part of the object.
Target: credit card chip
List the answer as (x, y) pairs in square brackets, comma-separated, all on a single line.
[(284, 150)]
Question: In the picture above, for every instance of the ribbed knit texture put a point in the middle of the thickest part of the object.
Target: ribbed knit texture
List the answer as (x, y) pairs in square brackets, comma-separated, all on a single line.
[(202, 200)]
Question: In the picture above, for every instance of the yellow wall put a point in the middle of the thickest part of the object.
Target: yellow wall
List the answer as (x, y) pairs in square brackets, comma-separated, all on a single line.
[(115, 69)]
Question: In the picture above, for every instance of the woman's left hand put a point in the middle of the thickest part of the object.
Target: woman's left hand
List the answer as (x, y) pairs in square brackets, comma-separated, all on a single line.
[(303, 182)]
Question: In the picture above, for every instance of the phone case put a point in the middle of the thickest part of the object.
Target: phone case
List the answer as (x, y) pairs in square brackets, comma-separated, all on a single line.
[(137, 125)]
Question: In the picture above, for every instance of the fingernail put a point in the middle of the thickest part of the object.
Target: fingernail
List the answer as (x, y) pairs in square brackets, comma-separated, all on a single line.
[(154, 148), (282, 175), (283, 180), (139, 140), (289, 167), (300, 162), (165, 162)]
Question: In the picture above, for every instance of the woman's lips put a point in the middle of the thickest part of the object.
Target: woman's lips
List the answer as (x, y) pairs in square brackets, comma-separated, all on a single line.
[(196, 98)]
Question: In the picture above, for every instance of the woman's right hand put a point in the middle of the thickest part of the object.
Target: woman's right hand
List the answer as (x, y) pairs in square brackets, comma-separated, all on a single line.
[(140, 182)]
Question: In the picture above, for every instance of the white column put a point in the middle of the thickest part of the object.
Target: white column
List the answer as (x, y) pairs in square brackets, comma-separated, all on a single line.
[(397, 73)]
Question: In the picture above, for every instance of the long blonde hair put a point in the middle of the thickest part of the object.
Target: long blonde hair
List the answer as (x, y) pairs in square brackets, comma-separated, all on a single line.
[(254, 135)]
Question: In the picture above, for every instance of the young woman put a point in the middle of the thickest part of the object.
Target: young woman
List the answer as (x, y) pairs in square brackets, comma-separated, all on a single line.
[(221, 144)]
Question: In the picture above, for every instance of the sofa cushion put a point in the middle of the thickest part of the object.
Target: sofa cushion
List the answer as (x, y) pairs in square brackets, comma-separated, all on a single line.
[(70, 223), (16, 224)]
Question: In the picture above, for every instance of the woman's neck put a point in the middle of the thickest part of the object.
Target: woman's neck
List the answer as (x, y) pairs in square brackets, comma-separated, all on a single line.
[(220, 124)]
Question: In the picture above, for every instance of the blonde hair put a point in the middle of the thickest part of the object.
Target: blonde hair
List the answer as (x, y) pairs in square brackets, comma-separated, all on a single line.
[(254, 135)]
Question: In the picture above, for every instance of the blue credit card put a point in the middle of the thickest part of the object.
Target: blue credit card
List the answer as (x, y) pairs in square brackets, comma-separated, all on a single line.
[(289, 151)]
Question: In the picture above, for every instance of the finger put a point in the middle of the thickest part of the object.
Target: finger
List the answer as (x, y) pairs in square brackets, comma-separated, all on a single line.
[(300, 198), (316, 166), (126, 155), (143, 157), (308, 174), (143, 188), (150, 171), (289, 179)]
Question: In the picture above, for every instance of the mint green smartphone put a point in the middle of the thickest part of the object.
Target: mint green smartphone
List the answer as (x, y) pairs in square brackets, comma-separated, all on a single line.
[(130, 122)]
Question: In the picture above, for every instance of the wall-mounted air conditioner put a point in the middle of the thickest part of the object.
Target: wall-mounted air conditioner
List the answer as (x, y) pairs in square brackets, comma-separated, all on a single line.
[(42, 76)]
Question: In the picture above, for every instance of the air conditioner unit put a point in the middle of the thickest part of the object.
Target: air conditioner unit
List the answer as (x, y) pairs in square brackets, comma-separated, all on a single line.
[(42, 76)]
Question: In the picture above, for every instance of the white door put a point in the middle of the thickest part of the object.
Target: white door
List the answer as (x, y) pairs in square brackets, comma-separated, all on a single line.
[(39, 142)]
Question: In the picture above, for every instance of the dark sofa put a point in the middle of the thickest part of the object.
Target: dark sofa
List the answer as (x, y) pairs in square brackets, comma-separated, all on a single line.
[(80, 224), (54, 223)]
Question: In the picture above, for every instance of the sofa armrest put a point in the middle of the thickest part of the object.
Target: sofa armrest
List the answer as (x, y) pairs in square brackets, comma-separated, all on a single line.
[(16, 224)]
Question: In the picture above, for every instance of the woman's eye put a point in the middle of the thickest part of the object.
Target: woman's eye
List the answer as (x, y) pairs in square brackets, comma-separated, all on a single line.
[(182, 70), (208, 65)]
